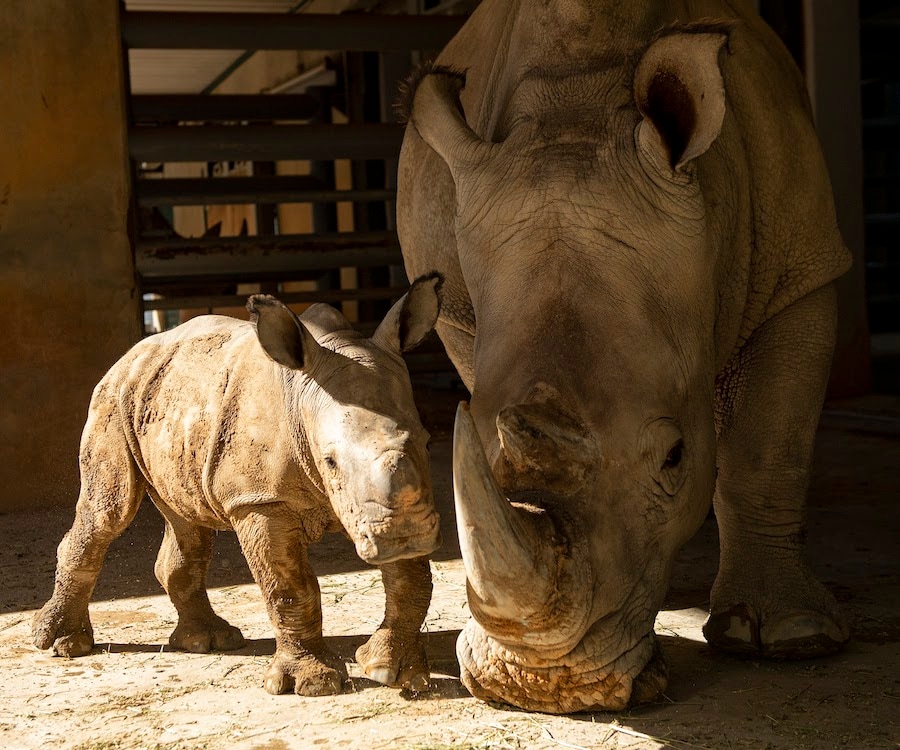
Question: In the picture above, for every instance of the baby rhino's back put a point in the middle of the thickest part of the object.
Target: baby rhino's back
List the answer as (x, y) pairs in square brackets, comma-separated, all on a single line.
[(201, 408)]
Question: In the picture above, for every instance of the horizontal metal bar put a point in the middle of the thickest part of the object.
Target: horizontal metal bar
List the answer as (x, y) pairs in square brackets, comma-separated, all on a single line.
[(277, 31), (289, 298), (882, 230), (222, 107), (208, 191), (880, 424), (312, 243), (263, 257), (890, 122), (264, 142), (881, 180), (882, 133), (887, 219)]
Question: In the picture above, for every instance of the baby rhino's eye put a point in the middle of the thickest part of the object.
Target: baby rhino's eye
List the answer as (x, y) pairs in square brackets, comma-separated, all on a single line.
[(330, 462)]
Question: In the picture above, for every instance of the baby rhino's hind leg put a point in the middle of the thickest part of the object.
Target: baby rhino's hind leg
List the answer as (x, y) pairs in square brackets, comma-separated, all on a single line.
[(181, 568), (111, 492)]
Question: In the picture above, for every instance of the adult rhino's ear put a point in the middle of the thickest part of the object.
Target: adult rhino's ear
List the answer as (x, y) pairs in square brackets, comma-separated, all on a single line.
[(413, 316), (436, 114), (678, 88), (281, 334)]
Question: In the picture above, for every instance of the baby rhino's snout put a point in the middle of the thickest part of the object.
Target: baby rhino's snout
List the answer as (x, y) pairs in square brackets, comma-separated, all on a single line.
[(407, 480), (399, 519)]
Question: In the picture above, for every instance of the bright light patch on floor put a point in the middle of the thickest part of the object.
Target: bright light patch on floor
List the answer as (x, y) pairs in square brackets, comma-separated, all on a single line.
[(682, 623)]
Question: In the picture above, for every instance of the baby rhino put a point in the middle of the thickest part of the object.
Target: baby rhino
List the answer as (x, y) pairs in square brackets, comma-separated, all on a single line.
[(321, 434)]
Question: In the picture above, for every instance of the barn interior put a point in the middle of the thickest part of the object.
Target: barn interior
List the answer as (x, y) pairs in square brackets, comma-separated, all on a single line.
[(163, 159)]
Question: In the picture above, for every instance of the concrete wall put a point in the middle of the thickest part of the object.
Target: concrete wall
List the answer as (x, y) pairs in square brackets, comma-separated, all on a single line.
[(66, 273)]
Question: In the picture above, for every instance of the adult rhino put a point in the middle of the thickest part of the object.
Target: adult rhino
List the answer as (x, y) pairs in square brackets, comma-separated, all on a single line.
[(634, 220)]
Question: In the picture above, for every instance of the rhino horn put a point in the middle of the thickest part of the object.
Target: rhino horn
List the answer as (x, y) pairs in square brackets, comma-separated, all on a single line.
[(527, 583)]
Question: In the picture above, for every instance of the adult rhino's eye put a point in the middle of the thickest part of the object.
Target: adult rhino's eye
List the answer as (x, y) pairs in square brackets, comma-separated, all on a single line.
[(673, 458), (671, 473)]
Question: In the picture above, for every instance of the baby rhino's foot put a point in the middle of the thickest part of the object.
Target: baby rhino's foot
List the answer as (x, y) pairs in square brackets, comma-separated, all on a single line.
[(305, 674), (395, 659), (70, 634), (203, 636)]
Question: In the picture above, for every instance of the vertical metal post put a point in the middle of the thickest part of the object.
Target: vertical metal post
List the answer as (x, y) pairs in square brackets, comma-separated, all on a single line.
[(361, 72), (324, 215), (833, 79)]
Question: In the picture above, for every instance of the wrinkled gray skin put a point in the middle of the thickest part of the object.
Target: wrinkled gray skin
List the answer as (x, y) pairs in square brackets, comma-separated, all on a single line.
[(320, 435), (637, 232)]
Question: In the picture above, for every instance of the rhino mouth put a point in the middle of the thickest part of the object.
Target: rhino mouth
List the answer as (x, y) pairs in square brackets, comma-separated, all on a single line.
[(580, 681), (396, 538)]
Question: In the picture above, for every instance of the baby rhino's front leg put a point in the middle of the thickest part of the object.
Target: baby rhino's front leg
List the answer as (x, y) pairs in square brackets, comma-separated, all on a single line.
[(273, 543), (395, 654)]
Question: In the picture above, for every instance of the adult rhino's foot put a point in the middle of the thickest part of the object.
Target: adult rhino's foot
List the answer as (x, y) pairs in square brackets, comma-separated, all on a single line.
[(395, 659), (202, 636), (797, 634), (789, 616), (67, 629), (304, 674), (579, 681)]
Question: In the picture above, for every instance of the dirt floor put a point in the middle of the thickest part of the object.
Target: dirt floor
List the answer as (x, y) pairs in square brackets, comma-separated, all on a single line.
[(133, 692)]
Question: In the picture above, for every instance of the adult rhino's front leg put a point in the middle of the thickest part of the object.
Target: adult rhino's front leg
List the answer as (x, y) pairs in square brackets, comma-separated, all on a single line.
[(272, 539), (395, 654), (765, 597)]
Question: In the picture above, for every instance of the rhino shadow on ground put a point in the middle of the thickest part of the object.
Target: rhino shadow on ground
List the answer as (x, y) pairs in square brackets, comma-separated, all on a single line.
[(440, 647)]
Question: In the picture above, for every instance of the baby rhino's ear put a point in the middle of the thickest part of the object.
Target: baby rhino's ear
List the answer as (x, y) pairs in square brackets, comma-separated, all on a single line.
[(413, 316), (281, 334)]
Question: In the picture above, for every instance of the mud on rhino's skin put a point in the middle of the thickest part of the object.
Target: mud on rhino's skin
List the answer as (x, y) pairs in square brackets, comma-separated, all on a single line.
[(634, 221), (282, 429)]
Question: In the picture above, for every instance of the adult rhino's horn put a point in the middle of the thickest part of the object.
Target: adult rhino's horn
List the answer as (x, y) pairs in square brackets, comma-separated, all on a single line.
[(438, 118), (527, 585)]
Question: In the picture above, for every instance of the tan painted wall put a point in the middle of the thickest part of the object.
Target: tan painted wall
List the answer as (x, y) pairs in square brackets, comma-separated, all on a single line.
[(66, 276)]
